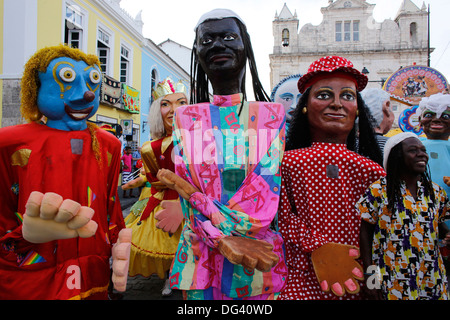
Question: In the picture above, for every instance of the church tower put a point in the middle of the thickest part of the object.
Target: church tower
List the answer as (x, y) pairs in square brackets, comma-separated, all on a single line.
[(285, 31), (285, 35), (349, 29), (413, 23)]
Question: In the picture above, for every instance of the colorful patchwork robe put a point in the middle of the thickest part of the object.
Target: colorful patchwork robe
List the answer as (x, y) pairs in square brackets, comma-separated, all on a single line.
[(232, 156)]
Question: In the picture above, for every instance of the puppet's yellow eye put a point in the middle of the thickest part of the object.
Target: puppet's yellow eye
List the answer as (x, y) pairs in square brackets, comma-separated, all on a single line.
[(95, 76), (67, 74)]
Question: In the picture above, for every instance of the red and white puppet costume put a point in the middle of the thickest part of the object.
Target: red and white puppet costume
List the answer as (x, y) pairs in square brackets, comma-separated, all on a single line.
[(321, 182)]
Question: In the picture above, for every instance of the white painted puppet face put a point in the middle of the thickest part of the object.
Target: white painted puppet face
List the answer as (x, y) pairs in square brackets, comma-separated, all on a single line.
[(288, 95)]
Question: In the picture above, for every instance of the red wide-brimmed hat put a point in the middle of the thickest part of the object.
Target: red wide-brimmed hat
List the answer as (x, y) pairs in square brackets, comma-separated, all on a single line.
[(328, 65)]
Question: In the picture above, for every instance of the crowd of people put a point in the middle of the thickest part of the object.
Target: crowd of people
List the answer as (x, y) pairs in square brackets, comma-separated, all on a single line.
[(232, 204)]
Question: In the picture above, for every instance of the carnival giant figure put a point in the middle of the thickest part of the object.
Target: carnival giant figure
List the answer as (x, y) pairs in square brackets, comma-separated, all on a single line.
[(154, 242), (324, 172), (227, 157), (60, 214)]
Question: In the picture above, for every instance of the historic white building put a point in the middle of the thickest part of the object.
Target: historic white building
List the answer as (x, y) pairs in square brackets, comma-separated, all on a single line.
[(349, 29), (181, 54)]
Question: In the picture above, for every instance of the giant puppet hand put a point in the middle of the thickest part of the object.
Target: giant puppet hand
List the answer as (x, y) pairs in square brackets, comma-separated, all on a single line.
[(250, 253), (121, 260), (135, 183), (447, 181), (336, 268), (170, 217), (48, 217), (172, 181)]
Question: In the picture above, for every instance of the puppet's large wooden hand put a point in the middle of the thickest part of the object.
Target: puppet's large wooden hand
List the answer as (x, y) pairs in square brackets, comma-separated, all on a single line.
[(172, 181), (447, 181), (170, 216), (250, 253), (336, 268), (48, 217), (121, 260), (135, 183)]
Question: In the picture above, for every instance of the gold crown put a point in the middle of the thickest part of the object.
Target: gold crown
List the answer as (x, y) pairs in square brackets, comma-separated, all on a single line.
[(168, 87)]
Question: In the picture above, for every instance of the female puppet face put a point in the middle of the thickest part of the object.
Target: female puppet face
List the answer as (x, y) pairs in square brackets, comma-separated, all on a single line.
[(332, 105), (169, 104), (436, 128), (415, 156), (69, 93), (220, 47)]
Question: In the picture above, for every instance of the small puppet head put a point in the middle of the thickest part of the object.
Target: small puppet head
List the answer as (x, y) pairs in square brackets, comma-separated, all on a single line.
[(62, 84), (434, 116), (286, 92)]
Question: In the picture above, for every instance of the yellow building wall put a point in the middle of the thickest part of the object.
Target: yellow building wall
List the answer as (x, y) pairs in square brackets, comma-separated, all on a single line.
[(119, 34), (49, 29), (49, 32)]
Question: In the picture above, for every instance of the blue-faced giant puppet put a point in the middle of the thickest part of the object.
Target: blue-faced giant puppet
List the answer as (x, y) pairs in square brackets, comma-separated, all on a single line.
[(60, 218)]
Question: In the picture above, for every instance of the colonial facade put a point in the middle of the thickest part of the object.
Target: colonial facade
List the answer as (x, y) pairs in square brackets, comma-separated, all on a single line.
[(349, 29), (131, 63)]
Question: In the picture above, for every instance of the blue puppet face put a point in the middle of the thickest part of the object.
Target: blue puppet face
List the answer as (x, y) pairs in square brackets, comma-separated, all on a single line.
[(69, 93)]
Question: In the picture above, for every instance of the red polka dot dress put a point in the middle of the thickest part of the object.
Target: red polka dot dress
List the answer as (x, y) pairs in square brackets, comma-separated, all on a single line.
[(320, 186)]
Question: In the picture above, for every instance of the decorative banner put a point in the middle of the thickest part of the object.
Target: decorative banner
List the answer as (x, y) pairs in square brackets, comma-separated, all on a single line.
[(131, 99), (415, 82), (111, 91), (408, 121)]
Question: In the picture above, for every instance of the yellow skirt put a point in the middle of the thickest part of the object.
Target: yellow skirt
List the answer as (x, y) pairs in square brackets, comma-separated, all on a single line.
[(152, 250)]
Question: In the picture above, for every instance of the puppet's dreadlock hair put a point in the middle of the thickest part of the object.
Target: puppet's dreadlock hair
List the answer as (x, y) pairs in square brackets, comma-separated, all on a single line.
[(394, 171), (199, 79), (299, 135), (30, 83)]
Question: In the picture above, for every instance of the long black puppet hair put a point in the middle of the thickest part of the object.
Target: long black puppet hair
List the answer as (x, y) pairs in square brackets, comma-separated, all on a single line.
[(361, 138), (199, 79), (394, 171)]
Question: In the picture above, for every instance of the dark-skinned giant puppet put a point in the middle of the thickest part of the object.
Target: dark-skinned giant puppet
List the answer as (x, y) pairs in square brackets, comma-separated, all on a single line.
[(60, 219), (227, 156), (324, 172)]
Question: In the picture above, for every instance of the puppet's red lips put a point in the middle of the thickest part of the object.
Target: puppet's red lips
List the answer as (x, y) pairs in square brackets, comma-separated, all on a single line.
[(336, 116), (437, 126), (78, 114), (221, 57)]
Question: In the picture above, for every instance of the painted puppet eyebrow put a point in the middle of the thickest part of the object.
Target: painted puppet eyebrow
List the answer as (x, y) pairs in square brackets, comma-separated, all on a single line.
[(91, 67), (182, 98), (326, 87), (286, 95)]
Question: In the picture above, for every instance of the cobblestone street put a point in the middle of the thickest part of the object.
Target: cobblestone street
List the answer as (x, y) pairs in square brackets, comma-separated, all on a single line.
[(140, 288)]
